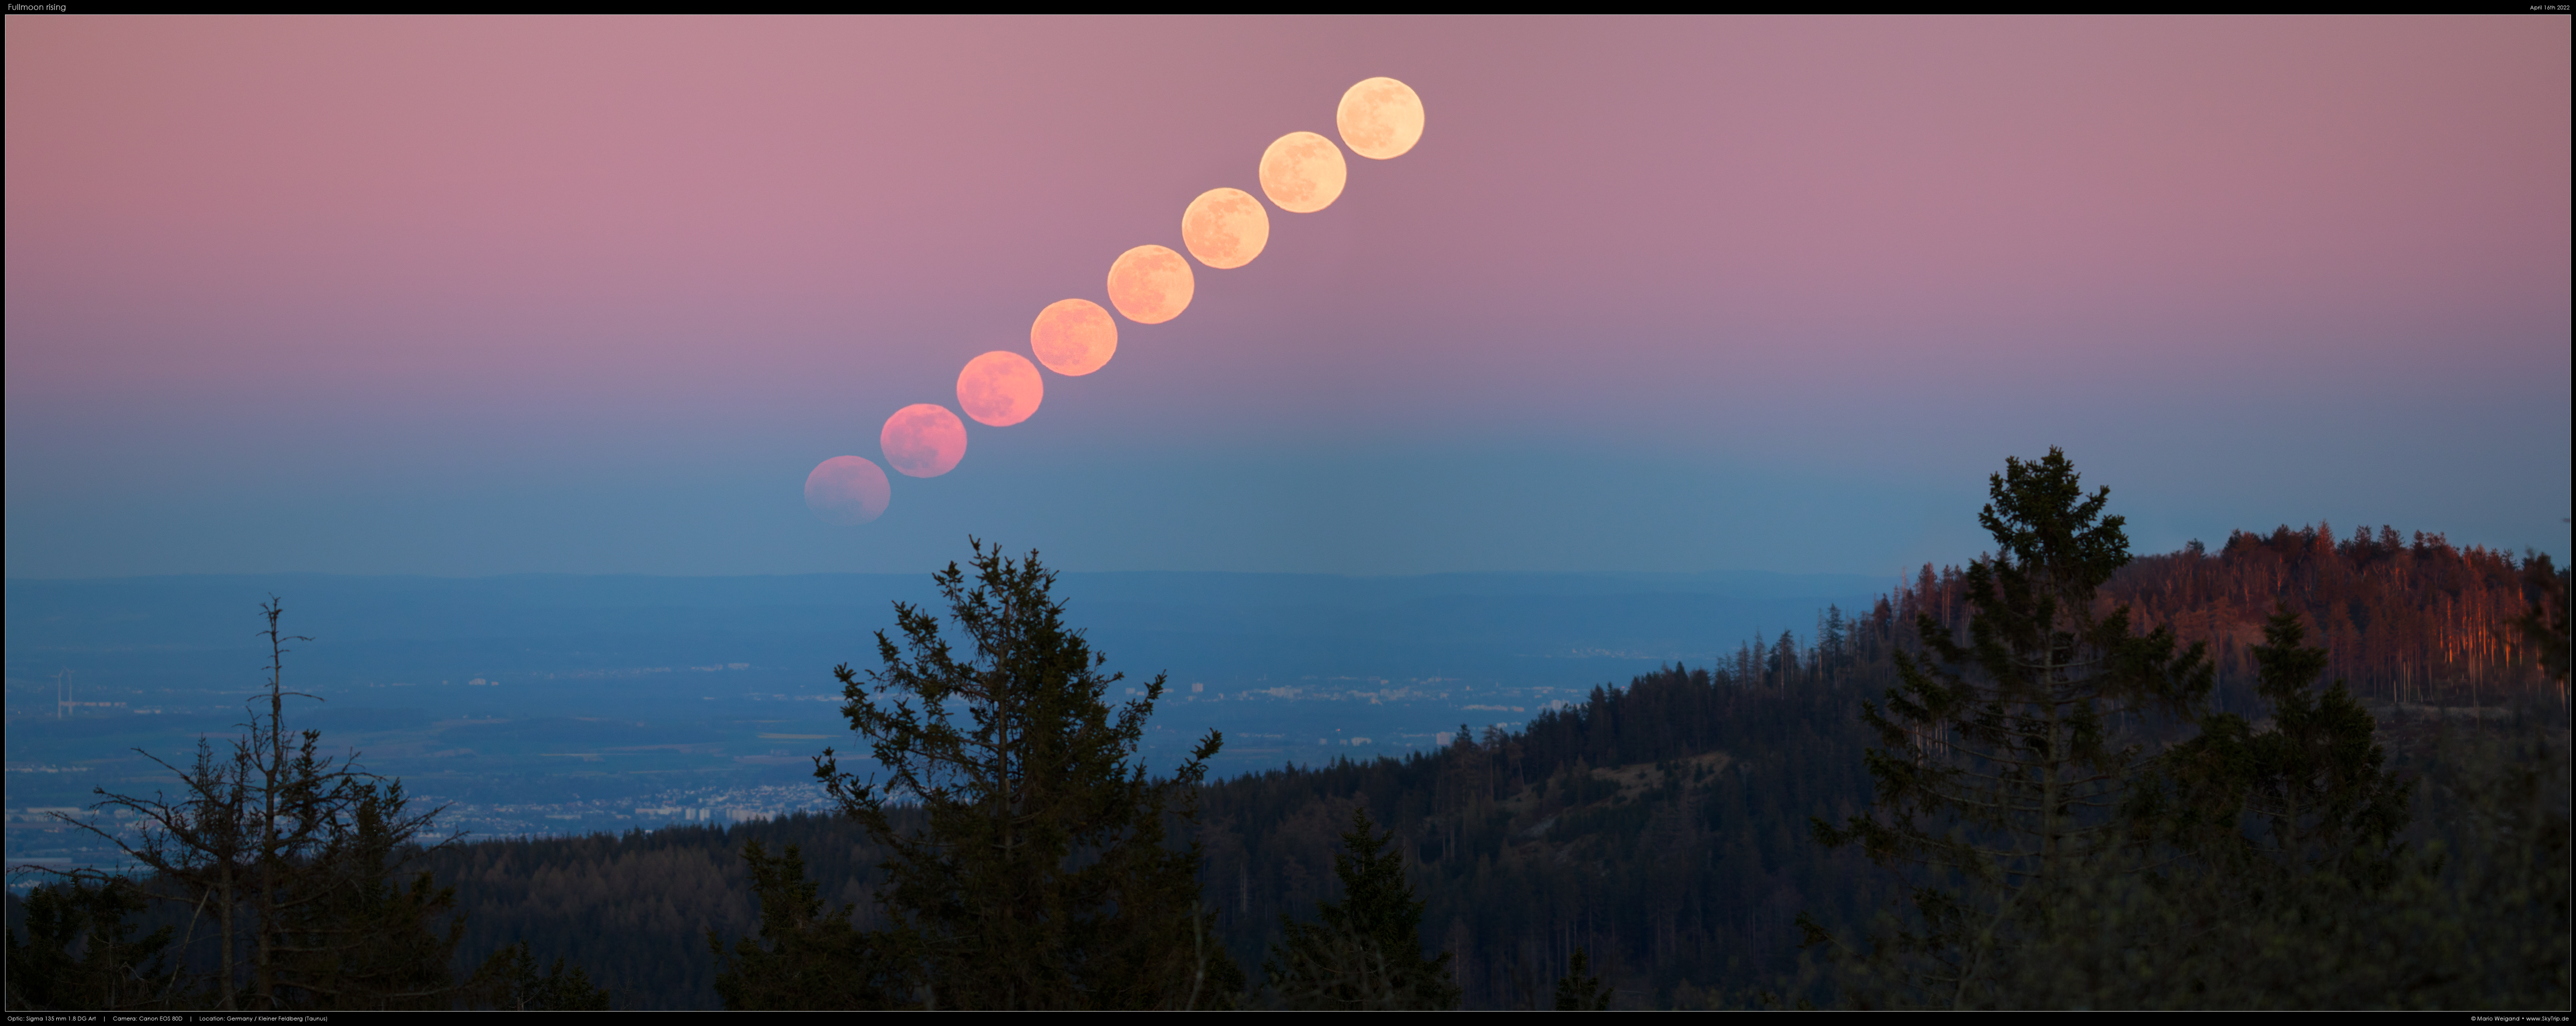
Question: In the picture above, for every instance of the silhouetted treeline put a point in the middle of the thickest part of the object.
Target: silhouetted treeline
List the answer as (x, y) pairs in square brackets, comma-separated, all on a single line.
[(1663, 826), (1682, 875), (635, 910)]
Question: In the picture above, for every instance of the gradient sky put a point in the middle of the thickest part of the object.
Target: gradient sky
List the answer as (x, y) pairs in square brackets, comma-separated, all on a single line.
[(479, 296)]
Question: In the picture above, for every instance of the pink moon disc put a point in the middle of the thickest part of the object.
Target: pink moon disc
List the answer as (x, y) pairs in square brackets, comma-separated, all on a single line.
[(1000, 388), (1225, 228), (1074, 337), (846, 490), (1152, 284), (923, 440), (1303, 172)]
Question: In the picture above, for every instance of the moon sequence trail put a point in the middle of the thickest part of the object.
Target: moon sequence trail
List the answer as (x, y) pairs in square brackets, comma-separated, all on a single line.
[(1223, 229)]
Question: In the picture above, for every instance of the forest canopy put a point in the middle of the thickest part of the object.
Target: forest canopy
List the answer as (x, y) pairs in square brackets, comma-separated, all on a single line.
[(1650, 847)]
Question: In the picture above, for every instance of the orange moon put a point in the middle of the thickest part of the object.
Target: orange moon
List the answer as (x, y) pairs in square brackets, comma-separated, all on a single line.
[(1000, 388), (1074, 337), (923, 440), (846, 490), (1225, 228), (1303, 172), (1380, 118), (1151, 284)]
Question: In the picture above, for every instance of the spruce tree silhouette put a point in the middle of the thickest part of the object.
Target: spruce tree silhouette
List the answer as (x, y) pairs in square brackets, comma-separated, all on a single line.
[(1042, 876), (2006, 764), (1365, 951), (1579, 990)]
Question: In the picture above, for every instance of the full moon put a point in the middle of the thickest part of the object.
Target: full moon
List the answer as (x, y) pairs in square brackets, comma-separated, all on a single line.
[(1380, 118), (923, 440), (1000, 388), (1303, 172), (1152, 284), (1074, 337), (846, 490), (1225, 228)]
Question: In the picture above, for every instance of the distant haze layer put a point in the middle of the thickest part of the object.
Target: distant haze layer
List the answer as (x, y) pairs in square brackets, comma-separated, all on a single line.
[(503, 688)]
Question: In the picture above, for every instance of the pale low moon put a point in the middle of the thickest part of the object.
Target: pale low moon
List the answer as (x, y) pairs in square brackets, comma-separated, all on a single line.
[(1074, 337), (923, 440), (846, 490), (1303, 172), (1225, 228), (1000, 388), (1152, 284), (1380, 118)]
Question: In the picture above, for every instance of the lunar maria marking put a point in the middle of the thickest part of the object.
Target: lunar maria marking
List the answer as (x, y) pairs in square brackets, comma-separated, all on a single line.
[(1225, 228), (1151, 284), (1380, 118), (1074, 337), (1303, 172), (923, 440), (1000, 388), (847, 491)]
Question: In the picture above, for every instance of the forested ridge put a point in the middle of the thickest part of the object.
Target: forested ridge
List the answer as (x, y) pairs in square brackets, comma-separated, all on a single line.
[(2402, 620), (1663, 826)]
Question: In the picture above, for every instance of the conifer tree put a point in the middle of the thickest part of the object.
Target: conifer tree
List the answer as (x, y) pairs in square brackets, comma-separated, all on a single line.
[(809, 959), (1579, 990), (2268, 865), (1043, 875), (80, 952), (290, 861), (2312, 779), (2006, 765), (509, 982), (1365, 951), (352, 934), (2544, 621)]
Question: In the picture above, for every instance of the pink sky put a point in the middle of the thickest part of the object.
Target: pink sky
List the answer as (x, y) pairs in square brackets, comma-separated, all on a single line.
[(499, 256)]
